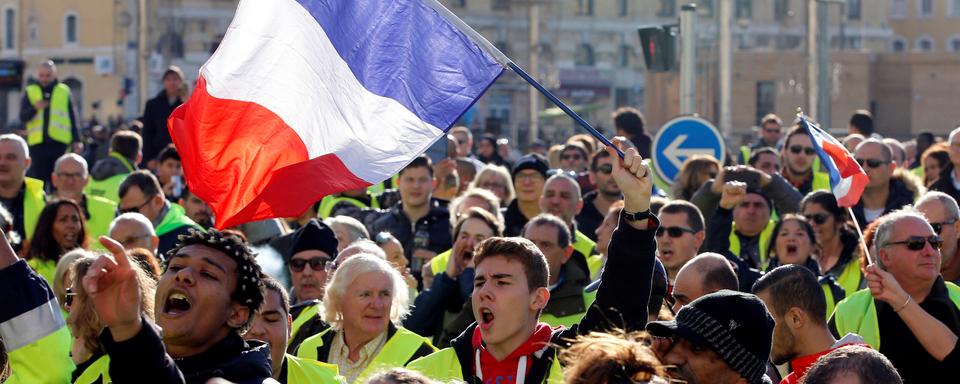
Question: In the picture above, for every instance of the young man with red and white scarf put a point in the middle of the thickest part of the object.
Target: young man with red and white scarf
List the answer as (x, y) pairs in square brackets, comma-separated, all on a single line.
[(508, 344)]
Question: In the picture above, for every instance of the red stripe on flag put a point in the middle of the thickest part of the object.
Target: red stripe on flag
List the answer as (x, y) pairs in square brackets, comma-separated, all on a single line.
[(247, 164)]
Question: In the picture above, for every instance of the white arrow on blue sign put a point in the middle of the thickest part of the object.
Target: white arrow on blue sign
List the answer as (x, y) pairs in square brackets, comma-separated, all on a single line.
[(681, 138)]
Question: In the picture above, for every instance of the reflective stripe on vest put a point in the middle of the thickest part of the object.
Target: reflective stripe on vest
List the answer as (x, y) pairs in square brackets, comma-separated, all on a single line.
[(301, 371), (445, 366), (764, 243), (305, 316), (33, 202), (858, 314), (98, 372), (59, 126), (583, 244), (394, 354), (569, 320)]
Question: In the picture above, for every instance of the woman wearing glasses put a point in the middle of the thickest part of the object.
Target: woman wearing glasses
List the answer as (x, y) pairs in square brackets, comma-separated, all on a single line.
[(60, 228), (794, 242), (87, 352), (839, 245), (364, 303)]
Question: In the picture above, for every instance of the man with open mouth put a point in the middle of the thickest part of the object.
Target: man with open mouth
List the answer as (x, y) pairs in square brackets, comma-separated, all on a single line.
[(206, 298), (508, 343)]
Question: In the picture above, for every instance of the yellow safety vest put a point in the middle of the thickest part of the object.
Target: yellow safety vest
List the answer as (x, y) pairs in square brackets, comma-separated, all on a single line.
[(444, 366), (330, 201), (102, 212), (744, 155), (438, 263), (569, 320), (45, 268), (109, 188), (300, 371), (583, 244), (764, 242), (851, 277), (45, 361), (305, 316), (821, 181), (59, 127), (394, 354), (93, 374), (595, 263), (34, 199), (858, 314)]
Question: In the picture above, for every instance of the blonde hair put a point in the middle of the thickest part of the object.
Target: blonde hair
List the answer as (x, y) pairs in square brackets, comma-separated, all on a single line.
[(493, 170), (346, 273), (64, 270), (615, 357)]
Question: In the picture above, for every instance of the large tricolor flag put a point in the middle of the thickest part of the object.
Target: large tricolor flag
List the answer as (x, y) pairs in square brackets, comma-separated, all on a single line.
[(307, 98), (847, 178)]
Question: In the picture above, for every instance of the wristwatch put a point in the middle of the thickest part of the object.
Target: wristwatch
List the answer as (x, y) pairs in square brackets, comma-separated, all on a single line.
[(637, 216)]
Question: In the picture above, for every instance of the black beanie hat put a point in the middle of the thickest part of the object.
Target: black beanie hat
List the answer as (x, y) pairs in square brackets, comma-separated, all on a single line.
[(534, 161), (314, 235)]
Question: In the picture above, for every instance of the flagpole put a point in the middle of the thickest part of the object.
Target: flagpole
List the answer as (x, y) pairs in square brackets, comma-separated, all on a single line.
[(863, 240), (549, 95)]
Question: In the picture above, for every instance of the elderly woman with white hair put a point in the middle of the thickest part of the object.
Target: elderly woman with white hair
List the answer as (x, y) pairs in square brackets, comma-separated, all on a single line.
[(365, 301), (347, 230), (496, 179)]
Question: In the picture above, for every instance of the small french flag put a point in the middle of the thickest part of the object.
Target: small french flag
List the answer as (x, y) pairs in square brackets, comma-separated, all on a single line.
[(847, 178)]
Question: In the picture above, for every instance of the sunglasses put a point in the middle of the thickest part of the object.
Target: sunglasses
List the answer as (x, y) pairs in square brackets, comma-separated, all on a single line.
[(916, 243), (134, 209), (605, 169), (872, 163), (796, 149), (674, 231), (938, 227), (316, 264), (818, 218), (68, 298)]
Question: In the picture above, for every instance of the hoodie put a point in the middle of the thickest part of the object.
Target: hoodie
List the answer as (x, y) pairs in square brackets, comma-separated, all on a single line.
[(516, 364), (109, 167)]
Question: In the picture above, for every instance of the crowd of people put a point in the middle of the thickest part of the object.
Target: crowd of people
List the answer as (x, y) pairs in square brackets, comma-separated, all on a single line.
[(563, 264)]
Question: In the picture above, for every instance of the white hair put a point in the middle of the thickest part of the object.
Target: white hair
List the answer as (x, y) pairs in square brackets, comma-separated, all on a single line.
[(19, 140), (949, 203), (74, 157), (492, 200), (885, 229), (365, 246), (353, 226), (135, 217), (350, 270), (497, 171)]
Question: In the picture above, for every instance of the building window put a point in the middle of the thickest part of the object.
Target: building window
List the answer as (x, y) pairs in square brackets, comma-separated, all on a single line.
[(924, 44), (765, 99), (585, 7), (625, 53), (781, 9), (500, 104), (954, 44), (925, 9), (668, 8), (954, 11), (624, 7), (853, 9), (584, 56), (744, 9), (9, 28), (898, 9), (899, 44), (500, 5), (70, 29)]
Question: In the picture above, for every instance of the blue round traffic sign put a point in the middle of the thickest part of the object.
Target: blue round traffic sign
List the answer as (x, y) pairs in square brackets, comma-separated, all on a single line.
[(681, 138)]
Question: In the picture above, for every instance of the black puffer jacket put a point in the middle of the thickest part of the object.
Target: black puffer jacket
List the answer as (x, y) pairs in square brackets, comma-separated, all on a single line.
[(904, 190)]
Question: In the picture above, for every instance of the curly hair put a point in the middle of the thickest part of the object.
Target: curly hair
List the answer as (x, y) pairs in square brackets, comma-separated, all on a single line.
[(615, 357), (249, 291)]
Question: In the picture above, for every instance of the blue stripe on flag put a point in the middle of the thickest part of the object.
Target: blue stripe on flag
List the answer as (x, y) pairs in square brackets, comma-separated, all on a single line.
[(404, 50), (817, 136)]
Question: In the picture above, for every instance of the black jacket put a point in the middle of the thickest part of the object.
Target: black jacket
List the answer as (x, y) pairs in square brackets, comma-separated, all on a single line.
[(903, 192), (155, 133), (144, 359), (513, 220), (589, 218), (718, 241), (945, 183), (629, 268), (436, 226)]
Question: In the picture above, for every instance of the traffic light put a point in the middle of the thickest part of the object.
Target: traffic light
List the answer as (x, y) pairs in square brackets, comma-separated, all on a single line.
[(659, 48)]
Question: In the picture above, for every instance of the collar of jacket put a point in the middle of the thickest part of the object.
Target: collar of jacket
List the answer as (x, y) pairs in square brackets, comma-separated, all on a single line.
[(231, 358)]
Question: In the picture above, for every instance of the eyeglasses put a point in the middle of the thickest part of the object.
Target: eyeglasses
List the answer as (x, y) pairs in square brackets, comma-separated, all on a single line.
[(916, 243), (605, 169), (382, 238), (818, 218), (872, 163), (70, 175), (796, 149), (68, 298), (571, 157), (134, 209), (937, 227), (316, 264), (674, 231), (491, 185)]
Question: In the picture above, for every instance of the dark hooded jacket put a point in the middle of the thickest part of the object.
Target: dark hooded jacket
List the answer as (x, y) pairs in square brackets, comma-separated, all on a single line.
[(904, 190)]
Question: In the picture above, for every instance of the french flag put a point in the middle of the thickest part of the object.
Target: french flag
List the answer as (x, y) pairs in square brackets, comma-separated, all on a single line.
[(847, 178), (307, 98)]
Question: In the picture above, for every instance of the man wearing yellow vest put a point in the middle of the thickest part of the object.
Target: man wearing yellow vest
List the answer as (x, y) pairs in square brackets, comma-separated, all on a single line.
[(510, 290), (272, 325), (799, 161), (23, 196), (561, 197), (69, 177), (741, 225), (569, 273), (108, 173), (141, 192), (311, 260), (943, 213), (49, 118), (908, 312), (771, 129), (32, 328)]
